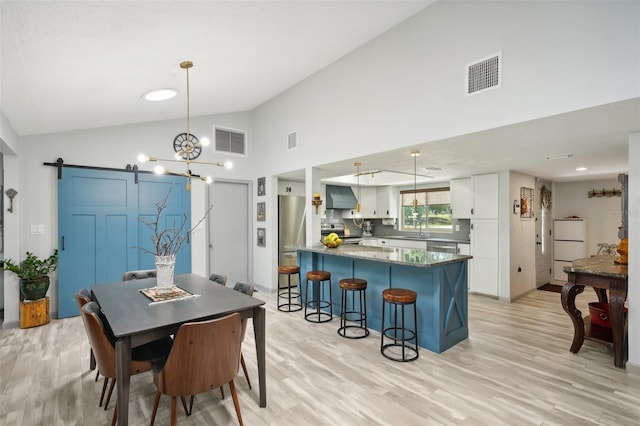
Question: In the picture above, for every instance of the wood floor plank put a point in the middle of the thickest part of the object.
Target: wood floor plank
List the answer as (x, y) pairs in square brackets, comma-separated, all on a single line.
[(515, 369)]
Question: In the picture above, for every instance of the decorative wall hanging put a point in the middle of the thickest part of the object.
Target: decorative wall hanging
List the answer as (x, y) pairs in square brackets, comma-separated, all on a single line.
[(526, 203), (261, 189), (262, 237), (262, 211)]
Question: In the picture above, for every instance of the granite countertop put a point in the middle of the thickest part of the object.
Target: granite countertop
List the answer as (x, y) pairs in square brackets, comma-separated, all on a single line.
[(401, 256), (425, 239), (598, 265)]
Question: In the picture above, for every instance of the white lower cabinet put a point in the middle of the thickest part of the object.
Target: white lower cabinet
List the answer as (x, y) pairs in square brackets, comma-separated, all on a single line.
[(483, 270), (464, 249)]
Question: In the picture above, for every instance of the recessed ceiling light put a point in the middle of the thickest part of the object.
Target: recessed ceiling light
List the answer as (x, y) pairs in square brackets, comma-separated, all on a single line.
[(581, 169), (559, 157), (159, 95)]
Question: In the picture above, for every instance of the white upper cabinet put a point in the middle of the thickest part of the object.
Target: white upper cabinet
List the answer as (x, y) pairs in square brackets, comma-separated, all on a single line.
[(387, 202), (485, 196), (461, 198)]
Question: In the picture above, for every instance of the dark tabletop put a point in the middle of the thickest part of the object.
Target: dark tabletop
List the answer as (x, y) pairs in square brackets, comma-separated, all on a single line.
[(129, 312)]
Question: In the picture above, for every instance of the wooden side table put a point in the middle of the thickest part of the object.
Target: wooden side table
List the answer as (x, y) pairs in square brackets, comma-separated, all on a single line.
[(601, 273), (34, 312)]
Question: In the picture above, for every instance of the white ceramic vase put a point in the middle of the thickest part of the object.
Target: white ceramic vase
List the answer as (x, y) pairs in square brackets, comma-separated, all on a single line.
[(165, 266)]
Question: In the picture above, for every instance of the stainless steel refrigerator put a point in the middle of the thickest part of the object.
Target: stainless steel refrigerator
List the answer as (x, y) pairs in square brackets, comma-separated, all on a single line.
[(292, 212)]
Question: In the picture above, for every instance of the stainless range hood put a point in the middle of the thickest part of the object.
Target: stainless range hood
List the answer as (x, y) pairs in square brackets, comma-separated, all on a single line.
[(340, 197)]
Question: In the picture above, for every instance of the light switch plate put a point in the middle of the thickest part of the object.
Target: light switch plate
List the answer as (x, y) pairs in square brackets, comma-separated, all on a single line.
[(37, 229)]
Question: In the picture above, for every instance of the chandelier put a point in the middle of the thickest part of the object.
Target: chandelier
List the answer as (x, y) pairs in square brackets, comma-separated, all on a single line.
[(187, 147)]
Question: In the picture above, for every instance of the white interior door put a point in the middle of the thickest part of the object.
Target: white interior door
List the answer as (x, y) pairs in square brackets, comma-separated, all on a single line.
[(229, 227), (542, 213)]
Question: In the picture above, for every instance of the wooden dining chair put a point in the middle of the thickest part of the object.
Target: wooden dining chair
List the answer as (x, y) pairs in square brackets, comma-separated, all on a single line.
[(191, 369), (220, 279), (138, 275), (102, 344), (246, 289), (83, 297)]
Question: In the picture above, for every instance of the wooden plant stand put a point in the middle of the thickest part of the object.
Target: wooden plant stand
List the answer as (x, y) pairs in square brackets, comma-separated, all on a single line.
[(34, 312)]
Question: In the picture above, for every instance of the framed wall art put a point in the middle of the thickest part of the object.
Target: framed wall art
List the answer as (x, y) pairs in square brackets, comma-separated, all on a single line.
[(261, 188), (262, 237), (526, 203), (262, 214)]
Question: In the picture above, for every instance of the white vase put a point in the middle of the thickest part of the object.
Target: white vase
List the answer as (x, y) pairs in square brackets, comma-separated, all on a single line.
[(164, 267)]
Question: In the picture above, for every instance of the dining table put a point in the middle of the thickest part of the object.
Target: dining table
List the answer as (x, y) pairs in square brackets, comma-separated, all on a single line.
[(135, 319)]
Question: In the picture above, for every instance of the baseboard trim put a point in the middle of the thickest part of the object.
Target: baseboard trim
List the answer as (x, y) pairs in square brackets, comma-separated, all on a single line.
[(10, 324), (633, 368)]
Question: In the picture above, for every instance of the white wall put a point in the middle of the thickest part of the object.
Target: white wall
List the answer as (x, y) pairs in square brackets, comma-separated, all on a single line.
[(633, 364), (602, 214), (522, 240)]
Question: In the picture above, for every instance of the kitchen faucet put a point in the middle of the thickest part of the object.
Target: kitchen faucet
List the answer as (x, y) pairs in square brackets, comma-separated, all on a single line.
[(420, 233)]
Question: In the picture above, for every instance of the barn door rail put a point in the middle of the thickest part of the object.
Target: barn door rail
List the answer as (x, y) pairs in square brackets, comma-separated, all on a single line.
[(128, 168)]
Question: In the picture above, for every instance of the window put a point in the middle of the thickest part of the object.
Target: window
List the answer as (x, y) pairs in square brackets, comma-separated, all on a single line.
[(433, 212)]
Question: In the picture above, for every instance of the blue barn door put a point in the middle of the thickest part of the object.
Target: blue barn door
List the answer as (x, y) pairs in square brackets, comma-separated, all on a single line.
[(99, 229)]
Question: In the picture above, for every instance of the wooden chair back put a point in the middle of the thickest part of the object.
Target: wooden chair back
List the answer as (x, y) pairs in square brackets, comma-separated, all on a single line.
[(191, 367), (220, 279), (246, 289), (138, 275), (103, 349), (82, 297)]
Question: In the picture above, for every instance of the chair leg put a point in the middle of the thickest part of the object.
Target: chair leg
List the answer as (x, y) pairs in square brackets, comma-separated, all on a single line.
[(104, 389), (114, 417), (113, 383), (174, 409), (236, 403), (189, 410), (244, 369), (97, 375), (222, 391), (156, 401)]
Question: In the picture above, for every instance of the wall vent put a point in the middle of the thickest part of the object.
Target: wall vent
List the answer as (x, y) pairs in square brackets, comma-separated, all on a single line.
[(233, 141), (484, 74), (292, 140)]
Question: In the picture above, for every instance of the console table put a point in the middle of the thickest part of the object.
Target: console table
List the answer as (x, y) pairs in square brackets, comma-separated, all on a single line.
[(602, 274)]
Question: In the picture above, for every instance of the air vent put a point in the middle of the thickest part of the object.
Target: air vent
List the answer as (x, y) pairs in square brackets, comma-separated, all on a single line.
[(485, 74), (232, 141), (292, 140)]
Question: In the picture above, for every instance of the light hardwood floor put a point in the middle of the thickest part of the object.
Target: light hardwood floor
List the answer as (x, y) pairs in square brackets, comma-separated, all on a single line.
[(514, 369)]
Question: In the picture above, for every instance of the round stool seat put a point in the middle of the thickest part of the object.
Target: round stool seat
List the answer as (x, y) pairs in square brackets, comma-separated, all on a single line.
[(399, 295), (399, 339), (289, 299), (315, 300), (318, 275), (288, 269), (353, 316), (353, 284)]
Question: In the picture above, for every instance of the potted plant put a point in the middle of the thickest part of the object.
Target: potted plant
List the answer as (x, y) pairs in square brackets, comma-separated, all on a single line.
[(34, 274)]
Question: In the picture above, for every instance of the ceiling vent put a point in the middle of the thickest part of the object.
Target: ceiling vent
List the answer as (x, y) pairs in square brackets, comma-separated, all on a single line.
[(232, 141), (484, 74), (292, 140)]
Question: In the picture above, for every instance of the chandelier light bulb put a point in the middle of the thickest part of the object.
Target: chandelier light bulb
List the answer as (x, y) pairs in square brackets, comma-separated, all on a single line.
[(178, 155), (205, 141), (228, 165), (208, 179), (159, 170), (143, 158)]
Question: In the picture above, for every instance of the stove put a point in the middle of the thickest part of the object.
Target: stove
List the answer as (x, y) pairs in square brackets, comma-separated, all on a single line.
[(338, 228)]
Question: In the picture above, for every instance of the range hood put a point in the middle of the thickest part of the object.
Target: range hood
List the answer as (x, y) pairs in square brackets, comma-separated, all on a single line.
[(340, 197)]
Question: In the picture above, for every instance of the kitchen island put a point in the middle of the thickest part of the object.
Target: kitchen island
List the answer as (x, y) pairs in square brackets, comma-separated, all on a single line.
[(439, 279)]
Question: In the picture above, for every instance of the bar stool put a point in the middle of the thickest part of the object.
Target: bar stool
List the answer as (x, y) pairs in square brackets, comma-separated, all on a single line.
[(401, 336), (317, 303), (359, 318), (289, 305)]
